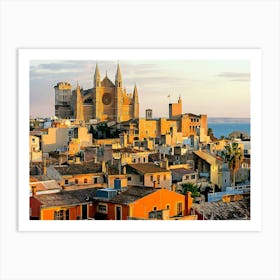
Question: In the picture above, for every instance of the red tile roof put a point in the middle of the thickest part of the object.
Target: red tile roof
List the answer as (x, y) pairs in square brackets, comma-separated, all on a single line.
[(144, 168)]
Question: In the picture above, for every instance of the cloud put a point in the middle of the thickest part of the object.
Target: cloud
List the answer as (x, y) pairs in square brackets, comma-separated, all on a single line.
[(235, 77)]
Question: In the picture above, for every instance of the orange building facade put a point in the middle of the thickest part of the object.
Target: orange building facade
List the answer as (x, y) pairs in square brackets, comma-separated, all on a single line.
[(65, 205), (119, 208)]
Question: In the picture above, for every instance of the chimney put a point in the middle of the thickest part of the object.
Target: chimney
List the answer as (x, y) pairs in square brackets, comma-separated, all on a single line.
[(156, 184), (45, 167), (188, 203), (33, 190)]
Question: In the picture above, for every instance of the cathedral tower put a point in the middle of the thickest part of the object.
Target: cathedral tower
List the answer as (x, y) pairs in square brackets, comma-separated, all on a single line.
[(175, 109), (96, 94), (79, 104), (135, 103), (96, 79), (106, 100), (118, 95)]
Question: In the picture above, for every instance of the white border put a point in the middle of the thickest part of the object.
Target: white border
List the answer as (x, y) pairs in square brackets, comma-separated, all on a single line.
[(253, 55)]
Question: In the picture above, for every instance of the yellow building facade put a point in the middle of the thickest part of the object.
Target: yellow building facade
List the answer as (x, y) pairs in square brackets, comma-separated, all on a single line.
[(186, 124)]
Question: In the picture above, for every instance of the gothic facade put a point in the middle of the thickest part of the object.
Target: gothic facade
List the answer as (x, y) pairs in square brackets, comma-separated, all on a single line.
[(106, 100)]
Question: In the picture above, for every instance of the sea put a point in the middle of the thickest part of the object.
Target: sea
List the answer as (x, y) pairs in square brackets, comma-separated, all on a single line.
[(224, 129)]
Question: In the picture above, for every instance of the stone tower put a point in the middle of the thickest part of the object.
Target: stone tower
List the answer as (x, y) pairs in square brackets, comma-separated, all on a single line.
[(118, 94), (96, 79), (96, 98), (63, 99), (175, 109), (79, 104), (135, 103)]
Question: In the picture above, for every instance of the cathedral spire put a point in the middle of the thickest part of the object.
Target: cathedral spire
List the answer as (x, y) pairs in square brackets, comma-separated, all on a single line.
[(96, 80), (135, 92), (79, 104), (135, 103), (118, 78)]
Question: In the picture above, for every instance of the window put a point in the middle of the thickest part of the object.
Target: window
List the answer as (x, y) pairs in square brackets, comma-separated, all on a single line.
[(102, 208), (129, 178), (164, 177), (95, 180), (61, 215), (152, 178), (85, 181), (144, 159), (193, 176), (167, 206), (155, 208), (76, 181), (66, 182), (33, 140), (179, 208), (158, 178)]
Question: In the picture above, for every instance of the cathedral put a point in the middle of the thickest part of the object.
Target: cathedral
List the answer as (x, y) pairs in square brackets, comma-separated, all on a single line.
[(106, 100)]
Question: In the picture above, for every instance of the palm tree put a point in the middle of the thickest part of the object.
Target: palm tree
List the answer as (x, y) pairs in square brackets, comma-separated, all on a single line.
[(233, 155)]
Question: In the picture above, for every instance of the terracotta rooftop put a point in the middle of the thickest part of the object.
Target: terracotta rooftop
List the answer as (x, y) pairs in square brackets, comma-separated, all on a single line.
[(66, 197), (127, 150), (144, 168), (237, 210), (45, 185), (182, 171), (79, 168), (132, 194)]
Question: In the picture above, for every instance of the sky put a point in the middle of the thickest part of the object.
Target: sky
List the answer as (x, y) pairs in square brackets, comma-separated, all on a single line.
[(217, 88)]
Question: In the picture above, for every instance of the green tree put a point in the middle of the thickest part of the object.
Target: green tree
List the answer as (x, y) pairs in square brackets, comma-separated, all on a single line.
[(210, 132), (233, 155), (189, 187)]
